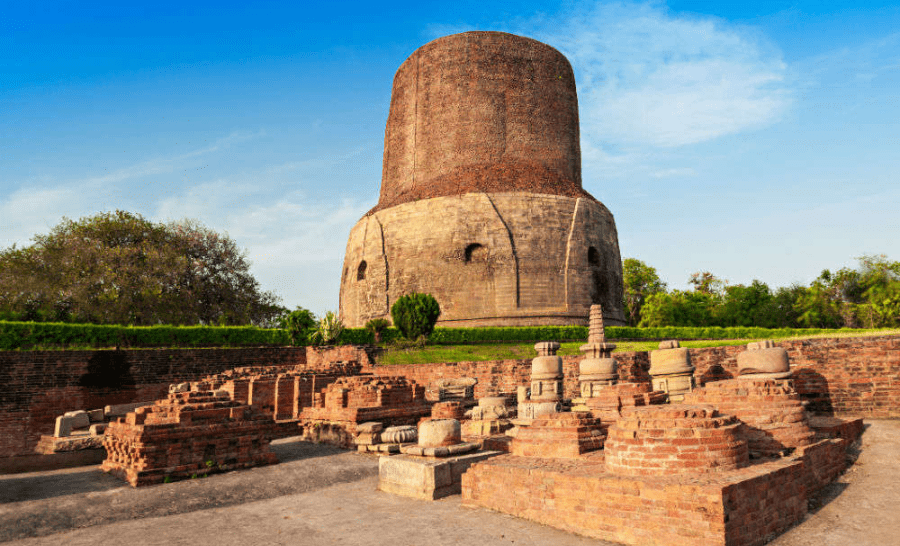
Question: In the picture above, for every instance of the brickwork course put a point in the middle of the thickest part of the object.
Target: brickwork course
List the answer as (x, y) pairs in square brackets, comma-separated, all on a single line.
[(481, 200), (858, 376), (187, 434)]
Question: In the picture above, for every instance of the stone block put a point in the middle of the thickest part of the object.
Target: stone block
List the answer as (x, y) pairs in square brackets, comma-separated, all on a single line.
[(118, 410), (423, 477), (63, 427), (98, 429), (79, 419), (96, 416), (369, 427)]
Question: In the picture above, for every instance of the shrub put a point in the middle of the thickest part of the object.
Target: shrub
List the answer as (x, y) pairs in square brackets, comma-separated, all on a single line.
[(298, 323), (415, 314), (377, 326), (328, 330)]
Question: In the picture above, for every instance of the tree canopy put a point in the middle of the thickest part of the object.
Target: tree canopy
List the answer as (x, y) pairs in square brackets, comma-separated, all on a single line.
[(865, 297), (119, 268)]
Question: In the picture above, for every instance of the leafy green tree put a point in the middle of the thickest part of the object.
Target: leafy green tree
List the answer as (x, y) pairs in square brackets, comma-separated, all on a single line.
[(298, 323), (377, 326), (785, 306), (415, 315), (119, 268), (679, 308), (707, 283), (752, 305), (640, 282)]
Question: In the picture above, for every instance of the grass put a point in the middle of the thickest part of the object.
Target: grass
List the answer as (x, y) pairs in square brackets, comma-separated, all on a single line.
[(518, 351)]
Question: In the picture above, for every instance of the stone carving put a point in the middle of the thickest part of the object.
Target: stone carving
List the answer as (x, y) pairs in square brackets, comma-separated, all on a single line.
[(439, 433), (763, 360), (546, 383), (490, 416), (399, 435), (671, 370), (598, 369), (461, 388), (492, 222)]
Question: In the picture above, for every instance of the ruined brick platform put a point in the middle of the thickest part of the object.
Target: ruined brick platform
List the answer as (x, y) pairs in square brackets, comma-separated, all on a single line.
[(187, 434), (342, 405), (566, 435), (743, 507), (772, 411), (675, 439)]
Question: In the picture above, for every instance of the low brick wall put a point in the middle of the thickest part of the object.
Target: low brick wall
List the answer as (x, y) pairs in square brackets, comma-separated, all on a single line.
[(858, 376), (736, 508), (848, 376), (38, 386)]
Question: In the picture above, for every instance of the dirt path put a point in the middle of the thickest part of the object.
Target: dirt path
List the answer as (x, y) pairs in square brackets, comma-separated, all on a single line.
[(322, 496)]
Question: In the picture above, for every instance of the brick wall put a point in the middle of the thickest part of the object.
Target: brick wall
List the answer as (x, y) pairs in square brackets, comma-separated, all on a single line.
[(38, 386), (848, 376)]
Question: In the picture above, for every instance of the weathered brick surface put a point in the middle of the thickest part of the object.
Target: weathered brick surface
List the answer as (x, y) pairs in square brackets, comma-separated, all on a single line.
[(38, 386), (188, 433), (849, 376), (744, 507), (858, 376), (771, 410), (675, 439), (563, 435), (342, 405)]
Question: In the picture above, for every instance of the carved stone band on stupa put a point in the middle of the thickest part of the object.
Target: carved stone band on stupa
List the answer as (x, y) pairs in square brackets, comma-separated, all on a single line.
[(671, 370), (546, 383), (598, 369), (763, 360)]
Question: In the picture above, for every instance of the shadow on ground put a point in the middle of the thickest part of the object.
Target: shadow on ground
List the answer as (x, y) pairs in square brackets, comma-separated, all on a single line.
[(31, 505)]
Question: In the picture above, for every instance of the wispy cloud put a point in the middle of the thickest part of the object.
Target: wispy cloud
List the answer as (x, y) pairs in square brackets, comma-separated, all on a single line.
[(648, 77), (168, 164)]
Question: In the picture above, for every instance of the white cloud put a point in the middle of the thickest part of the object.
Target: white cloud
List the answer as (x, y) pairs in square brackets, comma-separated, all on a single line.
[(650, 78)]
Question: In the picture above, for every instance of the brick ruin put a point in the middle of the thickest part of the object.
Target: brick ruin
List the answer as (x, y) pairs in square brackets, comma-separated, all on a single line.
[(734, 464), (188, 434)]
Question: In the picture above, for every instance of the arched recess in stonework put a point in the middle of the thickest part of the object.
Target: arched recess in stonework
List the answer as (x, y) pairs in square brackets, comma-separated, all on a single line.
[(593, 257), (361, 271), (474, 252)]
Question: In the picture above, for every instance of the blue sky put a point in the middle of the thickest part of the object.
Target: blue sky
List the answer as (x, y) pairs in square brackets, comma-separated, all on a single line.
[(756, 140)]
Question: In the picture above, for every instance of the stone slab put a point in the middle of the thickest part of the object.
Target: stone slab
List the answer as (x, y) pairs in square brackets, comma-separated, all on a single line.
[(424, 477)]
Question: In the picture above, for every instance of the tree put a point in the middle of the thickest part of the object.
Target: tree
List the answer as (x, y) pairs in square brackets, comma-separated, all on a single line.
[(119, 268), (678, 308), (707, 283), (298, 323), (415, 314), (640, 282), (751, 305)]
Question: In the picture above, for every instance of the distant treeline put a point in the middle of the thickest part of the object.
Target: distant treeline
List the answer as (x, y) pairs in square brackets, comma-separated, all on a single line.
[(865, 297)]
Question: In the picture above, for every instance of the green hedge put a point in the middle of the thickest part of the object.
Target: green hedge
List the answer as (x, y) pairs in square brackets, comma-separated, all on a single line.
[(27, 335)]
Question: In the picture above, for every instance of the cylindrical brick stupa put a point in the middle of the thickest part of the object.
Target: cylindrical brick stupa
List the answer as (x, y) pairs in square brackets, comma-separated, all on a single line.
[(481, 201)]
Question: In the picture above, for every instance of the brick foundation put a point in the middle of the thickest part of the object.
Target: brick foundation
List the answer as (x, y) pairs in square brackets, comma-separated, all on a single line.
[(744, 507), (771, 410), (188, 434)]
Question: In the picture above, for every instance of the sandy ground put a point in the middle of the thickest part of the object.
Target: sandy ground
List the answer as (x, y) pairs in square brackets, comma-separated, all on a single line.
[(323, 496)]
